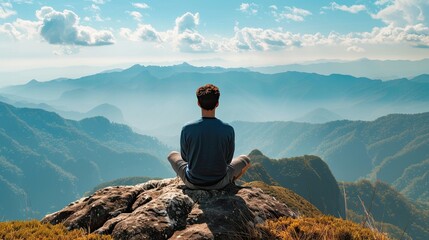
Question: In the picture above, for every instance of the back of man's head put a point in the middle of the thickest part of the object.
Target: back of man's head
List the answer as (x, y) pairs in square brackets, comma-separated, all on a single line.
[(208, 96)]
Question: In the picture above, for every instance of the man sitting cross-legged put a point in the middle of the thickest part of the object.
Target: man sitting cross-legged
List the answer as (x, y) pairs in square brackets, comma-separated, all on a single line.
[(207, 146)]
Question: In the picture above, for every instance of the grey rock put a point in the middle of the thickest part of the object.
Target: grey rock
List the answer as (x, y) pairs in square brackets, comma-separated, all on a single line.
[(166, 209)]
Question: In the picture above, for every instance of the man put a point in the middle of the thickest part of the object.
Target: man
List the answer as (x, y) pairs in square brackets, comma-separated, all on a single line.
[(207, 148)]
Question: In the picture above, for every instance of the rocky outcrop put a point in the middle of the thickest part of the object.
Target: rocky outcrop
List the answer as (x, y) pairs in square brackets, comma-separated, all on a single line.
[(166, 209)]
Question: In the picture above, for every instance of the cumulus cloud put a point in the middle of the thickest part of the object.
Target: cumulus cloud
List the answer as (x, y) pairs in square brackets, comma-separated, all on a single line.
[(144, 32), (402, 13), (290, 13), (63, 28), (23, 1), (187, 22), (96, 11), (189, 41), (20, 29), (94, 8), (136, 15), (141, 5), (250, 8), (66, 50), (415, 35), (100, 2), (6, 10), (258, 39), (184, 36), (381, 2), (355, 49), (350, 9)]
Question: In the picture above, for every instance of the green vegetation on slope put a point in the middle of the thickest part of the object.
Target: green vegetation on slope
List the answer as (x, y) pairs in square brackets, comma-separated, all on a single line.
[(307, 176), (385, 204), (394, 148), (294, 201), (393, 231), (47, 161)]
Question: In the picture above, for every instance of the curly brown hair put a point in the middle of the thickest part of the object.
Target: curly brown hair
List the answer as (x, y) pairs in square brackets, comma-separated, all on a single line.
[(208, 96)]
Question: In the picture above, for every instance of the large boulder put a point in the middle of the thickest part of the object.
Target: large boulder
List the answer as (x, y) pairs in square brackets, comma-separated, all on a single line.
[(167, 209)]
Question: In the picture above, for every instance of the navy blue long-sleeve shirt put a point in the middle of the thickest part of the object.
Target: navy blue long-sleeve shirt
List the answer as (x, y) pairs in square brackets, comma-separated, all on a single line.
[(208, 146)]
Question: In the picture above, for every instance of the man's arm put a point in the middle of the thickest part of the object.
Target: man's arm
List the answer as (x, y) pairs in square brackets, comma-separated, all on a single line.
[(183, 146), (231, 146)]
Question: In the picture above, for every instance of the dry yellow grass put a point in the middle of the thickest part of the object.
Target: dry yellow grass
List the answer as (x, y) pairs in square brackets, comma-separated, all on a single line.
[(321, 228), (32, 230)]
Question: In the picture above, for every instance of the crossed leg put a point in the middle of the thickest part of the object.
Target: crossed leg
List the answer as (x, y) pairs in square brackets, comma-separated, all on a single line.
[(236, 169)]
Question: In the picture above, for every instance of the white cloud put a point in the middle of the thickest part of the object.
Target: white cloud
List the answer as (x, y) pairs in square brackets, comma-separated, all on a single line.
[(381, 2), (144, 32), (355, 49), (6, 10), (66, 50), (187, 22), (63, 28), (405, 12), (20, 29), (96, 11), (416, 36), (250, 8), (189, 41), (290, 13), (136, 15), (141, 5), (258, 39), (184, 36), (95, 8), (100, 2), (23, 1), (350, 9)]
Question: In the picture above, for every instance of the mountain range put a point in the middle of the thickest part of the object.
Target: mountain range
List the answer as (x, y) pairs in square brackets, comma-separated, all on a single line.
[(47, 161), (393, 148), (148, 95), (376, 69), (106, 110)]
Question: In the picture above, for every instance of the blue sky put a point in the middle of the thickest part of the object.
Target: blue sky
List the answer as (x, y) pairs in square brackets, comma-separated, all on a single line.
[(44, 34)]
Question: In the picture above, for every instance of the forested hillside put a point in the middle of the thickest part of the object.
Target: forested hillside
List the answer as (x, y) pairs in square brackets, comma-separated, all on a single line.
[(47, 161), (308, 176), (393, 148), (385, 204)]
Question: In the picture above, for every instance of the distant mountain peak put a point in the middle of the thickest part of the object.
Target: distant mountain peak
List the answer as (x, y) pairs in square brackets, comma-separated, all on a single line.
[(185, 64), (255, 152), (319, 115), (135, 67), (33, 81)]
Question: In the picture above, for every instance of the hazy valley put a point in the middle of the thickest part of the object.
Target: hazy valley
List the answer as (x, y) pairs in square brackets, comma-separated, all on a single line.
[(317, 136)]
